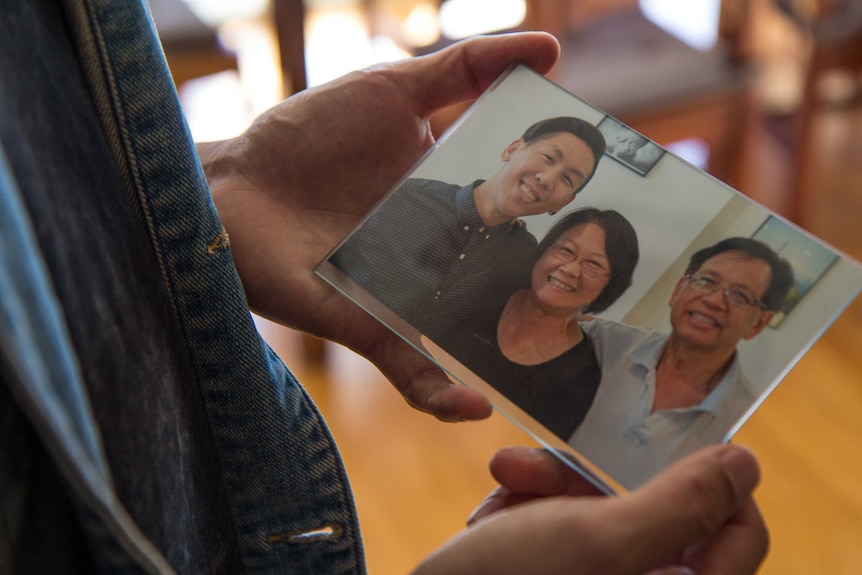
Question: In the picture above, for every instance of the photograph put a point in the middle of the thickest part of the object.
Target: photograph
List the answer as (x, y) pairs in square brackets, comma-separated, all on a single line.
[(566, 286), (628, 147)]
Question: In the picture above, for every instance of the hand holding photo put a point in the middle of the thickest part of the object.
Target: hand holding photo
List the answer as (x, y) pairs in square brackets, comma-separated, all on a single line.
[(616, 310)]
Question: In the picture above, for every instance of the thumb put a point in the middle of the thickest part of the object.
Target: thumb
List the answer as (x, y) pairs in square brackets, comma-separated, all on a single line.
[(463, 70), (688, 502)]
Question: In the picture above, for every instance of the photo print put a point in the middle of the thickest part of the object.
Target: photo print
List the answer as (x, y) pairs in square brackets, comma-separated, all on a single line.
[(531, 264)]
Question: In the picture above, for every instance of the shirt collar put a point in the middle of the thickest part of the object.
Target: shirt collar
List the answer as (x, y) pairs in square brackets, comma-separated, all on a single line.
[(649, 352), (465, 207), (468, 214), (724, 391)]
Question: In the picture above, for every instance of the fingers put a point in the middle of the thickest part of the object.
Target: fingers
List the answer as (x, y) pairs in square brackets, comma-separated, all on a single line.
[(690, 502), (464, 70), (744, 537), (699, 513), (424, 385), (739, 547), (537, 472), (527, 473), (433, 393)]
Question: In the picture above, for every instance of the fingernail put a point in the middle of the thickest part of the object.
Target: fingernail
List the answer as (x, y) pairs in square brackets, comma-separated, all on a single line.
[(742, 470), (526, 452), (491, 504), (675, 570)]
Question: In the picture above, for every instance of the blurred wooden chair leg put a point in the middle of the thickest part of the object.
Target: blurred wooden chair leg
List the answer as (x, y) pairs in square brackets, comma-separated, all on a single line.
[(836, 38), (289, 18)]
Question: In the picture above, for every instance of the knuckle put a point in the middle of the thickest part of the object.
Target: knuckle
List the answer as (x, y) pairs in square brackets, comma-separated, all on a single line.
[(714, 502)]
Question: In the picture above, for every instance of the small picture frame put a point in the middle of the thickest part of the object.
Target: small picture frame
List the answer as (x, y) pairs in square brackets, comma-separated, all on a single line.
[(631, 149), (810, 260)]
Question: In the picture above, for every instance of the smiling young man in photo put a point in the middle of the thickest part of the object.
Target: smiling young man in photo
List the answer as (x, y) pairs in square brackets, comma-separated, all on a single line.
[(435, 249), (664, 395)]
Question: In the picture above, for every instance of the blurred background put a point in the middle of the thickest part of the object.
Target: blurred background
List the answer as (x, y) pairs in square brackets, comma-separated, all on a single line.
[(763, 94)]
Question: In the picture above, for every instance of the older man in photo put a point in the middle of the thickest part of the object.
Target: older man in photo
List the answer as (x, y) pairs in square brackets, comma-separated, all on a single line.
[(664, 395)]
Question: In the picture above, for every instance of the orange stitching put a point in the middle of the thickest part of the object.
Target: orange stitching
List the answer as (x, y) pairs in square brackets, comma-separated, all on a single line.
[(222, 242)]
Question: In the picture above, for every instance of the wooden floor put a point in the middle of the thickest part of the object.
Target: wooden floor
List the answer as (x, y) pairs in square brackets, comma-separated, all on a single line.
[(416, 479)]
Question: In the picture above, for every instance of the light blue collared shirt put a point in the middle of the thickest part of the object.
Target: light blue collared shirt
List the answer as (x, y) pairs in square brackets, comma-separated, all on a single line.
[(622, 435)]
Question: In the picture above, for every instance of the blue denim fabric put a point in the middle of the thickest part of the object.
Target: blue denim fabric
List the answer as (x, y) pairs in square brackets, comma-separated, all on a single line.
[(278, 477)]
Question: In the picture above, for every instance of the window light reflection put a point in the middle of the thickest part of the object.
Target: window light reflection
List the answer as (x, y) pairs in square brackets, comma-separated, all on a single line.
[(463, 18)]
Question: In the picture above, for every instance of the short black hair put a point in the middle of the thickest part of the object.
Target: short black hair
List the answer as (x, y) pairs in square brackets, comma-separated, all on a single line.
[(621, 246), (578, 127), (780, 281)]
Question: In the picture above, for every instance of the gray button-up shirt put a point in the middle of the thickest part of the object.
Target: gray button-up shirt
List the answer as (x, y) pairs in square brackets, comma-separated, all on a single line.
[(622, 435)]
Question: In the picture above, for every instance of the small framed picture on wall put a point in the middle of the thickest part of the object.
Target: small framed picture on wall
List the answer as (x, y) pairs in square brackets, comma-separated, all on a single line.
[(628, 147)]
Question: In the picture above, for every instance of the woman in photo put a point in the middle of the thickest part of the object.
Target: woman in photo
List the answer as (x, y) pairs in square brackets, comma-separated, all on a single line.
[(531, 347)]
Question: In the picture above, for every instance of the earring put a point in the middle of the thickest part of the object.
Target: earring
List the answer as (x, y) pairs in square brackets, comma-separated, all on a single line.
[(552, 212)]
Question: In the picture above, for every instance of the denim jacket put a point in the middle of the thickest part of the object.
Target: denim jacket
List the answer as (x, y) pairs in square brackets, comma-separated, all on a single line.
[(284, 490)]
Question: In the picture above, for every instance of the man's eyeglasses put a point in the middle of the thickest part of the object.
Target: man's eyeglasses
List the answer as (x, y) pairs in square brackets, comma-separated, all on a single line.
[(589, 267), (738, 297)]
